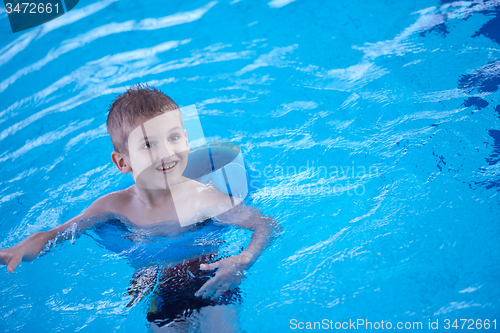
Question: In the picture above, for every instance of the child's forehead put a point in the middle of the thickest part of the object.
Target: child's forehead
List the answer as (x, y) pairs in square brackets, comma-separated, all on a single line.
[(159, 124)]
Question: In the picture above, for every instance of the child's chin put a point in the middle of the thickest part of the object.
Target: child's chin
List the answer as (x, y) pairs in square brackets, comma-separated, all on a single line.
[(154, 179), (159, 182)]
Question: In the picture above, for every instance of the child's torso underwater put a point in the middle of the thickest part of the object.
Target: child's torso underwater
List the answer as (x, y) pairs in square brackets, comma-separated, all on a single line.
[(159, 243)]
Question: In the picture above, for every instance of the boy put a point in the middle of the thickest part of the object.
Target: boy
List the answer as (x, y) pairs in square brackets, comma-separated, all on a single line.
[(150, 142)]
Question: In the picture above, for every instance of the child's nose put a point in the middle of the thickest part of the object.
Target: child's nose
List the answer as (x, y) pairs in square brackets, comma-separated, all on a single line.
[(166, 150)]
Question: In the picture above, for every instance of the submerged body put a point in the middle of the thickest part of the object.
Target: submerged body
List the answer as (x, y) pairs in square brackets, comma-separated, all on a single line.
[(167, 265), (142, 246)]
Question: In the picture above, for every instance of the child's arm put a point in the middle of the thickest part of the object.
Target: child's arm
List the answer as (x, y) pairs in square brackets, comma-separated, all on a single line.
[(30, 247), (231, 270)]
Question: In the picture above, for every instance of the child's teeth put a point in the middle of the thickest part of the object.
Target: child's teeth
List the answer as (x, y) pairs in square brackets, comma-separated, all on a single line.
[(168, 167)]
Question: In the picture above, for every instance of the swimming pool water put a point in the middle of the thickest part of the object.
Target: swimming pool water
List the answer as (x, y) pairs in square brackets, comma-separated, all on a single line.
[(373, 128)]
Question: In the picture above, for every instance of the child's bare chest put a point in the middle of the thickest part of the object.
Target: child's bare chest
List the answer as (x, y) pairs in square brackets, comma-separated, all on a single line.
[(174, 214)]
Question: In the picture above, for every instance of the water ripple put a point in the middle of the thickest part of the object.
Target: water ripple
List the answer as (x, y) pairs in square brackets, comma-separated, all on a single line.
[(96, 33), (18, 45)]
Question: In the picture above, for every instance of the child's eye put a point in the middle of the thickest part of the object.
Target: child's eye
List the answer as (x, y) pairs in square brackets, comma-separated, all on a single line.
[(148, 145), (174, 138)]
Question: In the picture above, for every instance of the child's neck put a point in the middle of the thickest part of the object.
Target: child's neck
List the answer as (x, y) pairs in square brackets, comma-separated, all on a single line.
[(152, 198)]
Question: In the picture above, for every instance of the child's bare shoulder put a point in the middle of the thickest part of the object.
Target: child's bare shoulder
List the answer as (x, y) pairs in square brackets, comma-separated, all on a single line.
[(114, 202), (205, 192)]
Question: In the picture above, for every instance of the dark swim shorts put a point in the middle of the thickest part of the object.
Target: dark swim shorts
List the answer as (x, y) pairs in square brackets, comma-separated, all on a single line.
[(174, 289)]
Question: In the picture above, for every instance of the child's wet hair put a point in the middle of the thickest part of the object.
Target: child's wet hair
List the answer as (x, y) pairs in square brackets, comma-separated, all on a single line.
[(139, 101)]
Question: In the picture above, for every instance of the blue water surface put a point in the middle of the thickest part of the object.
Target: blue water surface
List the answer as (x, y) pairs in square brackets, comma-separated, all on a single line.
[(372, 126)]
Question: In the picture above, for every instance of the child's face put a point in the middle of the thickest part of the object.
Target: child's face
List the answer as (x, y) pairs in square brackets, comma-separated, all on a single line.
[(158, 150)]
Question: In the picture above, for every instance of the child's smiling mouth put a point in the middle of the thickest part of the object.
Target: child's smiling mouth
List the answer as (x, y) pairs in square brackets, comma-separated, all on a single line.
[(167, 167)]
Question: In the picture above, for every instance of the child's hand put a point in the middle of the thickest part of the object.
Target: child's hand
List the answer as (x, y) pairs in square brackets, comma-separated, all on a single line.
[(230, 272), (27, 249), (11, 257)]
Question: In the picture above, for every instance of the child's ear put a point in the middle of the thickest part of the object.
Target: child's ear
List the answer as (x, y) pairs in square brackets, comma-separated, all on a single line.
[(120, 162)]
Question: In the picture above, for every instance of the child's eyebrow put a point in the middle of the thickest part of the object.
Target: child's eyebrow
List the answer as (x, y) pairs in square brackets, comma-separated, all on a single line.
[(176, 128), (147, 138)]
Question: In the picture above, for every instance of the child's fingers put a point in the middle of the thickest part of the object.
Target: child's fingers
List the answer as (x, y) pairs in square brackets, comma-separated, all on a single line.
[(14, 261), (204, 288), (222, 289), (5, 257), (209, 266)]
